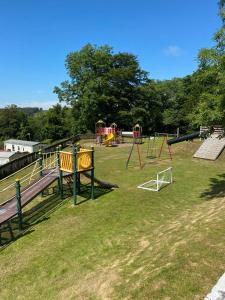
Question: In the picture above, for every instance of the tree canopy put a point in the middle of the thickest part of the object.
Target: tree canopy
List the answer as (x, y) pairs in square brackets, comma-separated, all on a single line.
[(103, 85), (112, 86)]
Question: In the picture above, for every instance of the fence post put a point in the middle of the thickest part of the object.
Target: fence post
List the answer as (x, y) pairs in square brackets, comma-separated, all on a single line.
[(18, 204)]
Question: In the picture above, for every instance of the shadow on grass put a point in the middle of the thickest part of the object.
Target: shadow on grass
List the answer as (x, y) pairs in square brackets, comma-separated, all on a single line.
[(216, 188), (36, 214), (85, 192), (41, 212), (152, 156)]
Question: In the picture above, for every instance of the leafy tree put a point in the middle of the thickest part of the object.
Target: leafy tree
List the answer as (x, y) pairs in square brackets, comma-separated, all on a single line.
[(148, 111), (103, 85), (38, 126), (12, 119), (210, 78), (55, 122)]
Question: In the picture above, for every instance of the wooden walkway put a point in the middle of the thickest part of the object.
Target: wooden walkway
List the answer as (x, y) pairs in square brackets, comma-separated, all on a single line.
[(8, 209)]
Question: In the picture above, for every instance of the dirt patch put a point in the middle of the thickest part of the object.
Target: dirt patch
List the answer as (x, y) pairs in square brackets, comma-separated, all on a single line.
[(96, 284), (144, 243), (158, 285)]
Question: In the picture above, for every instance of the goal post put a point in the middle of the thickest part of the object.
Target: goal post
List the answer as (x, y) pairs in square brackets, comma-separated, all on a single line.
[(163, 178)]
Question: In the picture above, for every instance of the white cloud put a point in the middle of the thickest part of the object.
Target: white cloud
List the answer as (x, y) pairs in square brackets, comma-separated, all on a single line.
[(173, 51)]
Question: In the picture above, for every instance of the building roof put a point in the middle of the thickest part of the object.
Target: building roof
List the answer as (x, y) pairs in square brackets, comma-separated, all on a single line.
[(6, 154), (21, 142)]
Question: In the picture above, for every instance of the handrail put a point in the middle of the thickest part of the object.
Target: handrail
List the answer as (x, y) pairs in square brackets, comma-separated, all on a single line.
[(3, 203), (28, 176), (38, 181), (46, 153), (19, 170)]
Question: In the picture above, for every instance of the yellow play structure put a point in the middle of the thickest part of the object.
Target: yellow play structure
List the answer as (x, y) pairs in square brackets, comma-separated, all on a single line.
[(80, 161), (83, 161)]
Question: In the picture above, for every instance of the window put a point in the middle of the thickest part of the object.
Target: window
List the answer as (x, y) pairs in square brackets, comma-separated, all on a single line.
[(13, 148), (18, 148)]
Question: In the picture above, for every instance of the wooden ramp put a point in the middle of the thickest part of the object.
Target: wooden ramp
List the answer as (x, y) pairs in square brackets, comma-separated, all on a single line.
[(211, 148), (8, 209)]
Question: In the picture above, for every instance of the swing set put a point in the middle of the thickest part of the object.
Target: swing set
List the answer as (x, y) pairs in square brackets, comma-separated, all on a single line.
[(153, 151), (156, 152)]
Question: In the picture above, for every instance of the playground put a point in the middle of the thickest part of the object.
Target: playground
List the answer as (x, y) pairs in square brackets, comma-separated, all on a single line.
[(127, 243)]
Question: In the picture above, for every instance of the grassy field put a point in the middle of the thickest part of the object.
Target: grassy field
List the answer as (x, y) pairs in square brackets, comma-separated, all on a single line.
[(128, 243)]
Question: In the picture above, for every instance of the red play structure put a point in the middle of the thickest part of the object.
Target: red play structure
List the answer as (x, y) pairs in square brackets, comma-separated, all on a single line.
[(105, 135), (135, 134)]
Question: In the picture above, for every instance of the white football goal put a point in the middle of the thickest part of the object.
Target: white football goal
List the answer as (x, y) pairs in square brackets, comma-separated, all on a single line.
[(163, 178)]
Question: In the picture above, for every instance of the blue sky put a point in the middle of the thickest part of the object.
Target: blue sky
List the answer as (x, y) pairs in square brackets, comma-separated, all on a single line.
[(36, 36)]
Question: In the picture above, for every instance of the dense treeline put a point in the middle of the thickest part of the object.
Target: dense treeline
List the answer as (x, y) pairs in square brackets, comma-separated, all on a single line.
[(34, 124), (113, 87)]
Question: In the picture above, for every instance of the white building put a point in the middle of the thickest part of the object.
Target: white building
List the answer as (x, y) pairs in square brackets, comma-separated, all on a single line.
[(6, 157), (21, 146)]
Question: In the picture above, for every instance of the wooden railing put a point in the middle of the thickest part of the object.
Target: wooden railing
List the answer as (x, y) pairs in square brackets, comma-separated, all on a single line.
[(66, 161)]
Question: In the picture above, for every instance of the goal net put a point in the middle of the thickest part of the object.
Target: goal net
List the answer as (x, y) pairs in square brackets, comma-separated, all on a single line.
[(163, 178)]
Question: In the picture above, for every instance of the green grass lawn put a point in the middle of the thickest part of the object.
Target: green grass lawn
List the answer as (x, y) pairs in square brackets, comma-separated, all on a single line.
[(128, 243)]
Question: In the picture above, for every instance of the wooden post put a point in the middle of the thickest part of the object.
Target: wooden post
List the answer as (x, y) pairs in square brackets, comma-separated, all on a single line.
[(78, 174), (40, 162), (60, 180), (18, 205), (161, 148), (74, 175), (138, 151), (128, 160), (78, 183), (139, 156), (92, 174)]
